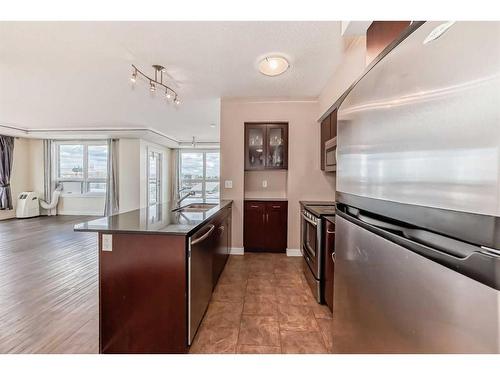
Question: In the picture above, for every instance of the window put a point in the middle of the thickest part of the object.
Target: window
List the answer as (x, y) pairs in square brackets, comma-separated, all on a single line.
[(154, 177), (200, 173), (81, 167)]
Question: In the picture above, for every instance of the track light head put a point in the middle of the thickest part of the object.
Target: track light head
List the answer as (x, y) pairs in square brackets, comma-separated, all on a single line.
[(134, 76)]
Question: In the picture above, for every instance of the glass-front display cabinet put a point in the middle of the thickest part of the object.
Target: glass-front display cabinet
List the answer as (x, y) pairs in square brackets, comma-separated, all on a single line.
[(266, 146)]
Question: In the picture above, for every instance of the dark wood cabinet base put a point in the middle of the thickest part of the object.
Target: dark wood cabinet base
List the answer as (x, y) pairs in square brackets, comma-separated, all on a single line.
[(265, 226), (137, 297)]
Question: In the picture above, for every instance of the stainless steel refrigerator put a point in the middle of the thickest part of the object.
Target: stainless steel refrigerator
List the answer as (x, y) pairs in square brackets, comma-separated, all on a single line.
[(417, 252)]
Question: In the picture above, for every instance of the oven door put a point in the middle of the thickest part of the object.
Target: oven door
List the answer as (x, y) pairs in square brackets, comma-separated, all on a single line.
[(311, 243)]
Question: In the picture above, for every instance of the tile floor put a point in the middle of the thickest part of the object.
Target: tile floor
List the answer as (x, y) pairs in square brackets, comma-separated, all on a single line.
[(260, 305)]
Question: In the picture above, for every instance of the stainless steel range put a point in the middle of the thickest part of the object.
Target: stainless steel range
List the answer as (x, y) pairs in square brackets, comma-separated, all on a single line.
[(312, 246)]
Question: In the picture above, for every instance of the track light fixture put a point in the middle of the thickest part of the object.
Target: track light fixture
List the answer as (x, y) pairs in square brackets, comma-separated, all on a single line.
[(157, 81)]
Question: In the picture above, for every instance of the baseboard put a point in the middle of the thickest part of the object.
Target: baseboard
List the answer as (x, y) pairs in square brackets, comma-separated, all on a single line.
[(237, 251), (293, 253)]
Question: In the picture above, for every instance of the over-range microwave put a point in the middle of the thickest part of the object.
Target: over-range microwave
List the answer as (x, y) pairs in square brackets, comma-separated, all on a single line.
[(331, 155)]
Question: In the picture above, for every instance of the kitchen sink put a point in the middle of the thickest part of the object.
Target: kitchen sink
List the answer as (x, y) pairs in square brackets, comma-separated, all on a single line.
[(196, 207)]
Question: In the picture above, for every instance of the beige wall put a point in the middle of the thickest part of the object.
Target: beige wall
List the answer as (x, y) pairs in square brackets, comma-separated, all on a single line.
[(305, 180), (277, 182), (350, 68), (93, 206)]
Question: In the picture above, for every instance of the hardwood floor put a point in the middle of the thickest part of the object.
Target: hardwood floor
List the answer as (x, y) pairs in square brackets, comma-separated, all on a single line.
[(48, 286)]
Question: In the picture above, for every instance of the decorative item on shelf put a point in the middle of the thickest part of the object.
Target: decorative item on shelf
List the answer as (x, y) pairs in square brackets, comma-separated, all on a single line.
[(155, 82)]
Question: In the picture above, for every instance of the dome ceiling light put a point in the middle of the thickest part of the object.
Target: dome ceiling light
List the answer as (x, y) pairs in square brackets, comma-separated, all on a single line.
[(156, 82), (273, 65)]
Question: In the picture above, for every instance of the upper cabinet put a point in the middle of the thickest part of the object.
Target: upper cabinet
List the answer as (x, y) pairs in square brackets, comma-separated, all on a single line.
[(266, 146), (380, 34)]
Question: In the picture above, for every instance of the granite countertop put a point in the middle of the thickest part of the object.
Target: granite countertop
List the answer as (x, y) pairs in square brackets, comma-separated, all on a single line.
[(267, 199), (159, 219), (317, 203)]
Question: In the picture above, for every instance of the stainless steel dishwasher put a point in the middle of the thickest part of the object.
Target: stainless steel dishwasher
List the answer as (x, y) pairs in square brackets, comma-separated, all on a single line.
[(200, 280)]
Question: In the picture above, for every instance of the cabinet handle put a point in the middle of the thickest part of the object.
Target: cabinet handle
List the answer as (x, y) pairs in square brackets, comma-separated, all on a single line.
[(253, 206), (267, 218), (204, 237), (330, 231), (276, 206)]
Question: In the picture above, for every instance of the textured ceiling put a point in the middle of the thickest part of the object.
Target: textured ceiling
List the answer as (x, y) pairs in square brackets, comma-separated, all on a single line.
[(64, 75)]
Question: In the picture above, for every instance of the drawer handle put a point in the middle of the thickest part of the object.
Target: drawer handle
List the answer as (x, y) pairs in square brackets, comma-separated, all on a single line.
[(253, 206), (330, 231), (276, 206)]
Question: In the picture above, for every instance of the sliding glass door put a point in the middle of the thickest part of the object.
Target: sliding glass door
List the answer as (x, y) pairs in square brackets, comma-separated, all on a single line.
[(154, 177)]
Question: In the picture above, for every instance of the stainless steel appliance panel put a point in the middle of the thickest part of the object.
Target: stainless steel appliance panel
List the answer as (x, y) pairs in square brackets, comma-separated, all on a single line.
[(422, 127), (389, 299), (311, 249), (200, 276)]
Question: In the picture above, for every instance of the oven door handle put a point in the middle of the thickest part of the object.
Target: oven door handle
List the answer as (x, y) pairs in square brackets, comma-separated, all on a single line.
[(306, 255), (309, 220)]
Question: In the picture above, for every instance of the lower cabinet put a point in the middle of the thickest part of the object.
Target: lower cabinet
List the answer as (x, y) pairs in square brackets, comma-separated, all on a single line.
[(265, 226)]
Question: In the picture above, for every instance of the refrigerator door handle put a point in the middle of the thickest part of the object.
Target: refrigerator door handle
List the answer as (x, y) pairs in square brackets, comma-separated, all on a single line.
[(472, 261), (446, 245)]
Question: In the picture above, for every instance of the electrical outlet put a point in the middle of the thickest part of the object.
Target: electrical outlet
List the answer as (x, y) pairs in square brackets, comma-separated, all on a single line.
[(264, 183), (107, 242), (228, 184)]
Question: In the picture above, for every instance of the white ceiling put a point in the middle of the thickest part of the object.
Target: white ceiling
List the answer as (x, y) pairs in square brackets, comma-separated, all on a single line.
[(75, 75)]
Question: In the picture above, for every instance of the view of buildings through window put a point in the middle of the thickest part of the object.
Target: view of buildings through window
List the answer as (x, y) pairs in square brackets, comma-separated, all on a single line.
[(200, 173), (82, 167)]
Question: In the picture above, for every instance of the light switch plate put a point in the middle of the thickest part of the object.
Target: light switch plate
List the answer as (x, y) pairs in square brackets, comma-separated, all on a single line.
[(107, 242), (264, 183), (228, 184)]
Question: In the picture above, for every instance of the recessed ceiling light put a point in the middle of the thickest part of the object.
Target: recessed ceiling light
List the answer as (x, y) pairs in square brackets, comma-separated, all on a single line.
[(273, 65)]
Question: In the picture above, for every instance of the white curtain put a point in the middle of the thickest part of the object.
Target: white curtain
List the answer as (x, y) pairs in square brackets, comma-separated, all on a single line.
[(111, 206), (175, 176), (48, 173)]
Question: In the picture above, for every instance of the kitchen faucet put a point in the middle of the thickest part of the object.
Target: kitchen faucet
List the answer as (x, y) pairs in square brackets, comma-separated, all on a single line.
[(184, 197)]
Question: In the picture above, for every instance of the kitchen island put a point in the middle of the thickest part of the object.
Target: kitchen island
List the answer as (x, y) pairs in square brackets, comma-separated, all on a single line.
[(157, 270)]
